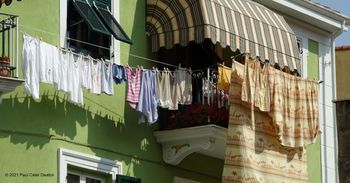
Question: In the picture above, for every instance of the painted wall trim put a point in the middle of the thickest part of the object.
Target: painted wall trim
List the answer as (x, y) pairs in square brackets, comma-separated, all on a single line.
[(115, 54), (68, 157), (307, 11), (63, 22), (115, 47)]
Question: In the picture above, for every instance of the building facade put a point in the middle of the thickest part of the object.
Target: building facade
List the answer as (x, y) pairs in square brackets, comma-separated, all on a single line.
[(52, 140)]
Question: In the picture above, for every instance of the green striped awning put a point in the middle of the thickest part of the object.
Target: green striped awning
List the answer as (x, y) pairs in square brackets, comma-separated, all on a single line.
[(239, 24)]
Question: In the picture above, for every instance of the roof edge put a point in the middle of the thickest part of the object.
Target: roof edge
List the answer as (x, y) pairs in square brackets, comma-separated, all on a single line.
[(342, 48)]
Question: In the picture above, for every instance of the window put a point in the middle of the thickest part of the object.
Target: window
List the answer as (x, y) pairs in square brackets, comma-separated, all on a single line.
[(79, 177), (91, 28), (71, 162)]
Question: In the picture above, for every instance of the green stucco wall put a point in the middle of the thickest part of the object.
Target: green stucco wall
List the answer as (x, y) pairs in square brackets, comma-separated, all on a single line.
[(342, 71), (32, 131), (314, 150)]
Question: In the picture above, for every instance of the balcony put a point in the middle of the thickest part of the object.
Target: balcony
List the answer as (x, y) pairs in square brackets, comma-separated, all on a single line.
[(197, 128), (9, 53)]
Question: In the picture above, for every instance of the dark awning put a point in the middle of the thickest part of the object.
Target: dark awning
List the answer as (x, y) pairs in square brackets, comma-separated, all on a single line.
[(239, 24), (101, 20)]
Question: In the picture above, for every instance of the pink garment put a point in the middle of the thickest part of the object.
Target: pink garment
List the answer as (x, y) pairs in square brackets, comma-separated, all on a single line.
[(134, 86)]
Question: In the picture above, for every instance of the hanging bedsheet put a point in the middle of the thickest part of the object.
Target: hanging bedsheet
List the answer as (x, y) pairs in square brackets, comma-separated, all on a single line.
[(261, 148)]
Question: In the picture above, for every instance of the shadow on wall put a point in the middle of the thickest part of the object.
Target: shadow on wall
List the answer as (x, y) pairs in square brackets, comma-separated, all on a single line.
[(51, 116)]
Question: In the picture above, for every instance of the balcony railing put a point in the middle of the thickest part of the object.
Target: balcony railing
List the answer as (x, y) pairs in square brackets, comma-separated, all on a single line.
[(198, 114), (9, 45), (9, 53)]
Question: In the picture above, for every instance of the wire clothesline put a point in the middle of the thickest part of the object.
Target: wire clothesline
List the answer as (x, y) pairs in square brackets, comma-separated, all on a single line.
[(99, 46), (102, 47)]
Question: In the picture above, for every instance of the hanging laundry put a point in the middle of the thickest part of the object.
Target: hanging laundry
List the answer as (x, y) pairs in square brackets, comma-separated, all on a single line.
[(147, 103), (182, 90), (63, 70), (86, 72), (119, 74), (292, 102), (294, 109), (46, 57), (56, 77), (254, 152), (134, 86), (224, 79), (96, 77), (164, 88), (255, 86), (107, 78), (75, 80), (30, 65)]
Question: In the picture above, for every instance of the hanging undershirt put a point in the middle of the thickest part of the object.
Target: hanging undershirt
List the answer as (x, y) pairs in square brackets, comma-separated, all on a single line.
[(147, 104), (86, 81), (183, 84), (134, 86), (30, 66), (96, 77), (119, 74), (46, 54), (164, 88), (56, 66), (107, 78), (74, 82), (63, 70)]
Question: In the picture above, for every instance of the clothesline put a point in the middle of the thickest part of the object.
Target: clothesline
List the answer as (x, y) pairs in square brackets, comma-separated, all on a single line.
[(130, 54), (99, 46)]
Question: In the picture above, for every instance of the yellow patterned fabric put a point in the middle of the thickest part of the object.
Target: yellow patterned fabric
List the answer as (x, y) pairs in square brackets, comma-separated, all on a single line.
[(255, 86), (292, 102), (294, 108), (254, 153), (224, 79)]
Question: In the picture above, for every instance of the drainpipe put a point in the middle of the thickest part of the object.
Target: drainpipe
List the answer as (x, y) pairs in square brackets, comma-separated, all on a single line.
[(333, 69)]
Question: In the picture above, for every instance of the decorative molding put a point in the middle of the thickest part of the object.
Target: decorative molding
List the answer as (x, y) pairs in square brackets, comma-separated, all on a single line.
[(8, 84), (177, 144), (68, 157)]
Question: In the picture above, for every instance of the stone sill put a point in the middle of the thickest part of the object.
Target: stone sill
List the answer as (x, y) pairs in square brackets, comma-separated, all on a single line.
[(8, 84)]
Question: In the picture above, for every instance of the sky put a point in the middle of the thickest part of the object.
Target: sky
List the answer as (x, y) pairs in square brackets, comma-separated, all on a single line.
[(342, 6)]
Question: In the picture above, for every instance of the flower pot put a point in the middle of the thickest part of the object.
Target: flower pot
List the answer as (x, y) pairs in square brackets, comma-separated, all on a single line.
[(5, 66)]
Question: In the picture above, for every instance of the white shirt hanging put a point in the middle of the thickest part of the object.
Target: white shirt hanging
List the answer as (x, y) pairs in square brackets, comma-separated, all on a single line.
[(74, 82)]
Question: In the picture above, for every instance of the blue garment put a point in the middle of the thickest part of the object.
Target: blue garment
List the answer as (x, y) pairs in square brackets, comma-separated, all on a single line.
[(148, 101), (119, 74)]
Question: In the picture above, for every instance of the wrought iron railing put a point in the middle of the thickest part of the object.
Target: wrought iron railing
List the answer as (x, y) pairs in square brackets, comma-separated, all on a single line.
[(9, 34), (198, 114)]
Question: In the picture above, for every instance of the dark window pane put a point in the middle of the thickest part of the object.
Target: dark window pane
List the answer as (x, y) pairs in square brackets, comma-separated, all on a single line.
[(90, 16), (91, 180), (112, 24), (73, 178)]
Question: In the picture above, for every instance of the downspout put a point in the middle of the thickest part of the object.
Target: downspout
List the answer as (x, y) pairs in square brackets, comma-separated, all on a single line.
[(333, 70)]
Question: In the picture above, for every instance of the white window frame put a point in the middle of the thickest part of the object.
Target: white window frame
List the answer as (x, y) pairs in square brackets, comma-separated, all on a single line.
[(115, 46), (183, 180), (83, 176), (68, 157)]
